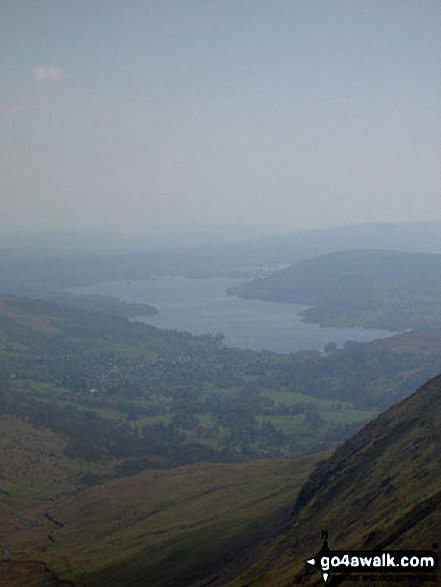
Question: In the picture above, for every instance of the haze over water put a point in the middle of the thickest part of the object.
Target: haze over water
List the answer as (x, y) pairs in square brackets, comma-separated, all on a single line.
[(202, 306)]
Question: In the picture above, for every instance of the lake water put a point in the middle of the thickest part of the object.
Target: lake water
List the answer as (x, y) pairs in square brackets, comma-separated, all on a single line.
[(201, 306)]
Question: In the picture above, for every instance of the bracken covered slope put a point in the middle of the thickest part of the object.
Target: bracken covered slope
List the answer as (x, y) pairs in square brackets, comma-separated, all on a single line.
[(380, 489)]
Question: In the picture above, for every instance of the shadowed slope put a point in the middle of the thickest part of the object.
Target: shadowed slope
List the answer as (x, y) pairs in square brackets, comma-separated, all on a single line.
[(156, 528), (380, 489)]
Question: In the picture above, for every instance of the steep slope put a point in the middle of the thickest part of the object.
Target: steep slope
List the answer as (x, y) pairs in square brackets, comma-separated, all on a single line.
[(380, 489)]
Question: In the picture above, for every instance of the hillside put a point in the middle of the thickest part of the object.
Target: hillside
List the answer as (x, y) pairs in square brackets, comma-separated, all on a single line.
[(163, 526), (375, 289), (202, 524), (380, 489)]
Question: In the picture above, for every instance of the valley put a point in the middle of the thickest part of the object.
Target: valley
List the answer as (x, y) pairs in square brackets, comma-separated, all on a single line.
[(164, 526), (220, 293), (134, 454)]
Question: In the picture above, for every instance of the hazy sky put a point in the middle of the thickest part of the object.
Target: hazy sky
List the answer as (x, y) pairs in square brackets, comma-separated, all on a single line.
[(174, 114)]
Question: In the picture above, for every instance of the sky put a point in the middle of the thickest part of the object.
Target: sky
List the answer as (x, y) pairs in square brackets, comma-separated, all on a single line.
[(172, 115)]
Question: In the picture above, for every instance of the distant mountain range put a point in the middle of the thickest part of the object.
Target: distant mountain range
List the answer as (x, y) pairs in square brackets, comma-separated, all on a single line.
[(36, 264)]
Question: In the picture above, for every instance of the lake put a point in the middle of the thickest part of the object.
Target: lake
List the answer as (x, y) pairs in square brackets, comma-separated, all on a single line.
[(201, 306)]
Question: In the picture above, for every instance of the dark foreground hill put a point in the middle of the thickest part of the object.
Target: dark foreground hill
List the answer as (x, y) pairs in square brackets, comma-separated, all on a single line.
[(380, 490), (373, 289)]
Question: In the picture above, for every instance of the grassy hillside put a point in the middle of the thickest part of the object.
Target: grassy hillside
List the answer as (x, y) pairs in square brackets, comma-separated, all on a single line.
[(234, 525), (164, 528), (380, 489), (34, 462), (374, 289)]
